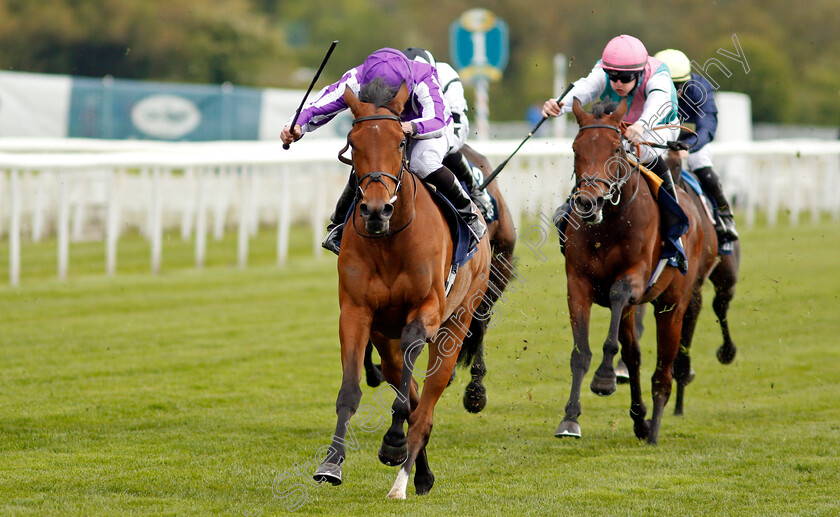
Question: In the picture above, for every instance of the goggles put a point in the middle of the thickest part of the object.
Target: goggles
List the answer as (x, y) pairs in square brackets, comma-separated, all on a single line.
[(621, 77)]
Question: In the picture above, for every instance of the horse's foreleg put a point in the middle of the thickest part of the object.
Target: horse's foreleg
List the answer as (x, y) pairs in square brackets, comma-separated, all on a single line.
[(354, 331), (631, 355), (682, 364), (604, 380), (580, 305), (668, 328)]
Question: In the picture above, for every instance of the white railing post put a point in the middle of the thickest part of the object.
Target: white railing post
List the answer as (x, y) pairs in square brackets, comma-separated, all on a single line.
[(200, 217), (14, 228), (63, 223), (244, 212), (317, 210), (283, 222), (112, 221), (189, 203), (157, 219)]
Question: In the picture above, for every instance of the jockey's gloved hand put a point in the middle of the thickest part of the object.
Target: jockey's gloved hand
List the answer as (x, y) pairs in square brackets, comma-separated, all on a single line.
[(676, 145)]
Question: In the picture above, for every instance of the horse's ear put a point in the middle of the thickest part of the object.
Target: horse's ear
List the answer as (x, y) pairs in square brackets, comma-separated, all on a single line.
[(618, 114), (577, 109), (400, 99), (351, 100)]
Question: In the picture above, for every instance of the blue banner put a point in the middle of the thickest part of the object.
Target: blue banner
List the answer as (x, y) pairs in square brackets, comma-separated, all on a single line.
[(126, 109)]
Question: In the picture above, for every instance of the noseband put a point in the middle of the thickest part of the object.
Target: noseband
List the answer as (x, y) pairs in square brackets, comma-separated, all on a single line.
[(613, 188)]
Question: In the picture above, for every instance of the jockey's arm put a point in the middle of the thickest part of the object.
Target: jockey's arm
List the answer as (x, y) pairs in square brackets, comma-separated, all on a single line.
[(586, 90), (325, 105)]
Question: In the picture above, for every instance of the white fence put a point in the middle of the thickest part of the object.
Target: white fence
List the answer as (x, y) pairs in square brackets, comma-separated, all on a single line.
[(89, 189)]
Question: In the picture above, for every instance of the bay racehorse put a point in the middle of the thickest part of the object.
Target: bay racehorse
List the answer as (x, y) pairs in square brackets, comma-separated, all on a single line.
[(613, 247), (502, 236), (724, 277), (395, 257)]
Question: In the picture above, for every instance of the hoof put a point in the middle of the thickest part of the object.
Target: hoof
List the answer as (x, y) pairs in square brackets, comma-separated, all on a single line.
[(329, 472), (393, 456), (423, 484), (603, 386), (652, 438), (475, 397), (374, 377), (641, 428), (726, 354), (622, 374), (567, 428)]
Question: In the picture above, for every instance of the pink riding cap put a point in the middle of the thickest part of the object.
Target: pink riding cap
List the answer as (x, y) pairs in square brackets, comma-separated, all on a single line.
[(624, 53)]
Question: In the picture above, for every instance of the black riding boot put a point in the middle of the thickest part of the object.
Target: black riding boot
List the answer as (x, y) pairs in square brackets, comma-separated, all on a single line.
[(710, 182), (472, 177), (446, 183), (335, 229), (669, 219)]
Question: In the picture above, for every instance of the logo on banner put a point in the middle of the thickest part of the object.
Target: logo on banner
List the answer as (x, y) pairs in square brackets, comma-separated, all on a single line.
[(165, 116)]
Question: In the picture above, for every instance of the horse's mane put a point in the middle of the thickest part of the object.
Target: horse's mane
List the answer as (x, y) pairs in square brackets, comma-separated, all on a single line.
[(599, 109), (378, 92)]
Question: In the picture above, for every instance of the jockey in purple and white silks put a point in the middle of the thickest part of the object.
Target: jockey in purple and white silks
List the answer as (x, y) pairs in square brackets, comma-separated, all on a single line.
[(453, 94), (426, 119), (625, 70)]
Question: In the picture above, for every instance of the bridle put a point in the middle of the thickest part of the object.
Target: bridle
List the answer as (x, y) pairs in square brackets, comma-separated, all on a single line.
[(376, 176), (613, 188)]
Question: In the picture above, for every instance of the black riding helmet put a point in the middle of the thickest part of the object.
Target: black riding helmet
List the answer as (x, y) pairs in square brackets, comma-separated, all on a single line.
[(419, 54)]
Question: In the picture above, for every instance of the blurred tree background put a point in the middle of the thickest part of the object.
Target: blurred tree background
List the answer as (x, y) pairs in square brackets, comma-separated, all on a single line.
[(790, 49)]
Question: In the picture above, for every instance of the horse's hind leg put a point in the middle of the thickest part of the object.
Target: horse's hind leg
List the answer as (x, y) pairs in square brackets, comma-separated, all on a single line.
[(443, 352), (373, 372), (622, 374), (354, 331), (668, 329), (683, 373), (472, 351), (393, 450), (475, 394), (724, 278), (604, 380)]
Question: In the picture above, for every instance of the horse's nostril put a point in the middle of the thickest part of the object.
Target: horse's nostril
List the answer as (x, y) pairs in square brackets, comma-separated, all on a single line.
[(363, 209), (387, 210)]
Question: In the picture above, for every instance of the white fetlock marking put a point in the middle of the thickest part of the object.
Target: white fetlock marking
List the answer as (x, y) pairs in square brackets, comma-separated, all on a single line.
[(398, 490)]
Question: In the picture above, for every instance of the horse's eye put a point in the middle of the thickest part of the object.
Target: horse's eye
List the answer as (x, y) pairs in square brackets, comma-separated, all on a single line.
[(402, 144)]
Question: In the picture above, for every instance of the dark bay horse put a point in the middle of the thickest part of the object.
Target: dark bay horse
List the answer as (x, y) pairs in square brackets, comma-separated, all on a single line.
[(613, 247), (724, 277), (395, 257), (502, 236)]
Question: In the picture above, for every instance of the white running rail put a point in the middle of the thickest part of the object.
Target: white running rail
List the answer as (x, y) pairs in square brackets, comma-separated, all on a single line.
[(91, 189)]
